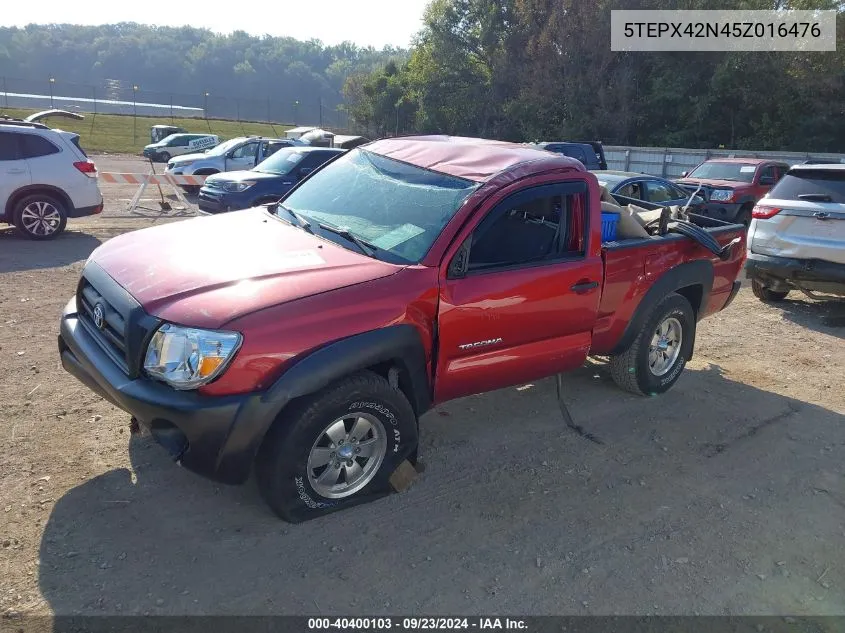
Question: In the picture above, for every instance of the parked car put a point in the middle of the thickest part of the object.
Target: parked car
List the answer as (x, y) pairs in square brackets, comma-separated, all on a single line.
[(402, 274), (236, 154), (797, 236), (648, 188), (732, 186), (589, 153), (45, 178), (267, 182), (179, 144)]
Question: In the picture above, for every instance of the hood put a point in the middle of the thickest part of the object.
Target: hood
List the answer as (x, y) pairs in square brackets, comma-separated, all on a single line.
[(186, 158), (240, 176), (154, 145), (716, 184), (207, 271)]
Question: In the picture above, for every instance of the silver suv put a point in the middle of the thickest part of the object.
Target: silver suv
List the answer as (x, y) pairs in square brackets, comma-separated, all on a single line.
[(797, 235), (45, 178)]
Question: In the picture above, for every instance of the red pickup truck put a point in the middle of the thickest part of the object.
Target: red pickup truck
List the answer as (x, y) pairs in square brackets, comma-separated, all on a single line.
[(306, 338), (731, 187)]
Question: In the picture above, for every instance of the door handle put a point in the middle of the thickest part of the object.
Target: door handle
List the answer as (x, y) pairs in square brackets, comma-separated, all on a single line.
[(584, 286), (15, 171)]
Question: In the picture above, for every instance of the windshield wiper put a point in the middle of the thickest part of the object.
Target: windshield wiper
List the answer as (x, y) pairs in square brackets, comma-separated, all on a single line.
[(364, 247), (301, 222), (815, 197)]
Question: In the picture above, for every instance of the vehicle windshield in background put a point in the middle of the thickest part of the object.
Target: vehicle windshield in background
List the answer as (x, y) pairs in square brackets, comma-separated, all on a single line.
[(398, 208), (282, 162), (223, 147), (725, 171), (811, 183)]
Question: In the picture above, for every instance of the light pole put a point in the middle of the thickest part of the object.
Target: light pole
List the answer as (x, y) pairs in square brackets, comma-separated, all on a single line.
[(52, 81), (295, 111), (205, 106), (134, 114)]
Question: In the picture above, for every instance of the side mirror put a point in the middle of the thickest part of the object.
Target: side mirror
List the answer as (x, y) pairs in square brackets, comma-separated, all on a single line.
[(684, 174), (230, 154), (460, 262)]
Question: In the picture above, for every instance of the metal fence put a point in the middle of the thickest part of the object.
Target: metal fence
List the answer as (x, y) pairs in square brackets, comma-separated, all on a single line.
[(125, 97), (672, 162)]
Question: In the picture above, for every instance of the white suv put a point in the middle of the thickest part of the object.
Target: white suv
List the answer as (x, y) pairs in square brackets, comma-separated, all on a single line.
[(796, 240), (45, 178)]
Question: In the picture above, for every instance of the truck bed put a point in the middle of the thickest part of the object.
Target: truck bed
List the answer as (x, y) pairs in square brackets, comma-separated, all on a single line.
[(631, 268)]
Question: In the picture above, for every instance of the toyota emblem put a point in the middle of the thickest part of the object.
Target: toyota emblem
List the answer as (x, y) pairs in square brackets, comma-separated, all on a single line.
[(99, 316)]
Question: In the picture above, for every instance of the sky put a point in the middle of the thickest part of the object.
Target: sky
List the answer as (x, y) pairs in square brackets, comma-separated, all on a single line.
[(366, 22)]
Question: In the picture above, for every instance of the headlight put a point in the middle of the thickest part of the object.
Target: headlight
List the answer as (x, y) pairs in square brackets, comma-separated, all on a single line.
[(186, 358), (722, 195), (181, 164), (235, 187)]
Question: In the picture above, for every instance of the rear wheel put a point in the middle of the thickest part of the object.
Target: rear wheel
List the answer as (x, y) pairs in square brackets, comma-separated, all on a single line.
[(656, 358), (767, 295), (40, 217), (336, 449)]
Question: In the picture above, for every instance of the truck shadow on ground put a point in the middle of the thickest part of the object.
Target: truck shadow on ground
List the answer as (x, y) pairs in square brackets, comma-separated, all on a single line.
[(18, 253), (715, 498)]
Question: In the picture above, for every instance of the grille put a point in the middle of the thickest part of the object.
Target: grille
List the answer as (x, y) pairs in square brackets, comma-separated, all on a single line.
[(112, 336)]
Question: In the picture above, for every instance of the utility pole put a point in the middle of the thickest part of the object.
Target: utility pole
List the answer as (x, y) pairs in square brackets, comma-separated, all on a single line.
[(52, 81), (321, 111)]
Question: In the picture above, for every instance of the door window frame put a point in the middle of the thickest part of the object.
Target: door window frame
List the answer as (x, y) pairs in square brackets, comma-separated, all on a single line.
[(506, 204)]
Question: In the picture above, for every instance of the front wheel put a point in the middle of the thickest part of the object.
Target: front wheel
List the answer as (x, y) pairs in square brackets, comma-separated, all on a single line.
[(336, 449), (164, 157), (656, 358)]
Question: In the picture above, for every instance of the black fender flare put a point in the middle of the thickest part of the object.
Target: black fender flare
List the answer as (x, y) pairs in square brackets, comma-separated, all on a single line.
[(697, 273), (399, 345)]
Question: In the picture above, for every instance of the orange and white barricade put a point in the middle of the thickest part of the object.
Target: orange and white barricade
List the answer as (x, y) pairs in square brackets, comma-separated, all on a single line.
[(145, 180)]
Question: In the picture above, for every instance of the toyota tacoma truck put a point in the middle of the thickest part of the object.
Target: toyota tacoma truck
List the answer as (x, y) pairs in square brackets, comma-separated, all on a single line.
[(303, 340), (732, 186)]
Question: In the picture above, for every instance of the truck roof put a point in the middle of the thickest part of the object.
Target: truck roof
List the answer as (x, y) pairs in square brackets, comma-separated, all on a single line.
[(469, 158), (750, 161)]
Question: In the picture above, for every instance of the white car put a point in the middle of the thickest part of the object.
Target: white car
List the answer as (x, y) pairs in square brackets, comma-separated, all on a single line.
[(45, 178), (796, 240), (179, 144)]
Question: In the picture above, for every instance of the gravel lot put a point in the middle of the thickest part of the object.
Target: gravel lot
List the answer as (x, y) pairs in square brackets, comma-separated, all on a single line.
[(725, 496)]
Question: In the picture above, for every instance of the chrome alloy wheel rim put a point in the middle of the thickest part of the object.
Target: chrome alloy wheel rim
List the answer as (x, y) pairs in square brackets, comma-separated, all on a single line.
[(347, 455)]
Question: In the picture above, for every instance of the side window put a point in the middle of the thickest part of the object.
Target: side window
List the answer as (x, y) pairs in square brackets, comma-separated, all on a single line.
[(543, 224), (34, 146), (658, 192), (8, 146), (269, 149), (767, 175), (681, 194), (245, 151), (632, 190)]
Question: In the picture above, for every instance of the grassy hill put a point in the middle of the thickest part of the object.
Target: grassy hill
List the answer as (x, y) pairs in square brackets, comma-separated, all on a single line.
[(118, 133)]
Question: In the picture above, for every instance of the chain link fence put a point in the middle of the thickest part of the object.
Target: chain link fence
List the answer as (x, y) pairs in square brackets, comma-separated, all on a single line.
[(123, 97)]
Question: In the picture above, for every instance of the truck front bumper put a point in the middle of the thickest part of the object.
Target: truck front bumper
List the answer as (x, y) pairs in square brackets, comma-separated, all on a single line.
[(726, 211), (216, 437)]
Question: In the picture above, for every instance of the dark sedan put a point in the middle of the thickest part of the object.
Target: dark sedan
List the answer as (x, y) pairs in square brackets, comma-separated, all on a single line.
[(647, 188), (266, 182)]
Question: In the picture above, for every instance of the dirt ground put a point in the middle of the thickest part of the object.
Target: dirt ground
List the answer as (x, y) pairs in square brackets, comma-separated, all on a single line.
[(724, 496)]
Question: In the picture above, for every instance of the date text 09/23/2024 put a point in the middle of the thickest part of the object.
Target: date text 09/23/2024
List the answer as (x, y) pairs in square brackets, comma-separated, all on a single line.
[(415, 624)]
